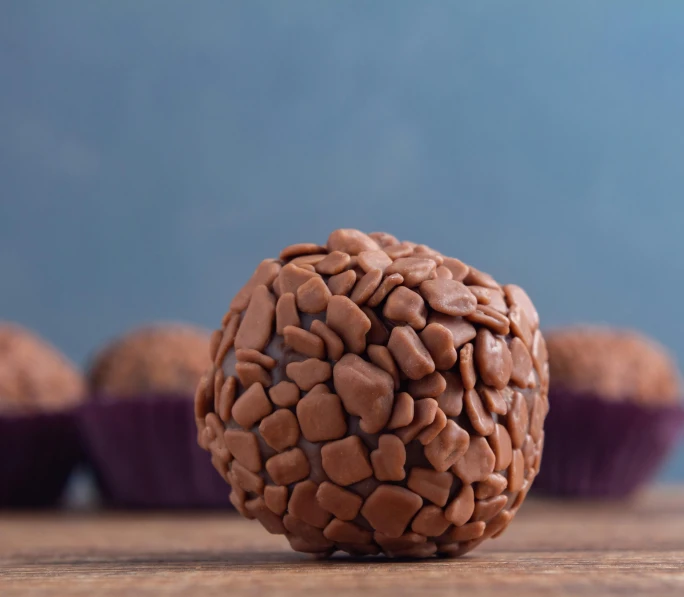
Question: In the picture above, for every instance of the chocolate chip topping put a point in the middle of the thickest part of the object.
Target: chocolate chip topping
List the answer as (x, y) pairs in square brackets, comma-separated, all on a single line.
[(493, 400), (378, 333), (225, 399), (321, 417), (476, 277), (500, 442), (467, 532), (370, 260), (451, 399), (250, 373), (516, 296), (389, 282), (449, 297), (284, 394), (493, 358), (381, 356), (280, 430), (257, 322), (399, 250), (406, 306), (341, 284), (486, 510), (351, 241), (432, 385), (286, 312), (272, 523), (366, 286), (313, 296), (522, 363), (425, 411), (333, 343), (307, 374), (376, 396), (430, 521), (518, 420), (343, 504), (461, 507), (389, 459), (390, 508), (477, 463), (461, 330), (309, 261), (252, 406), (334, 263), (347, 532), (384, 239), (300, 249), (303, 505), (414, 270), (346, 461), (304, 342), (265, 274), (410, 353), (249, 355), (219, 380), (466, 367), (349, 322), (291, 277), (402, 414), (458, 269), (246, 479), (305, 537), (275, 498), (366, 390), (432, 485), (439, 342), (480, 417), (288, 467), (244, 447), (448, 447)]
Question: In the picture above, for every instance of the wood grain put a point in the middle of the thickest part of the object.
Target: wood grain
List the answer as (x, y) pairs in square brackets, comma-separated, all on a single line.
[(552, 548)]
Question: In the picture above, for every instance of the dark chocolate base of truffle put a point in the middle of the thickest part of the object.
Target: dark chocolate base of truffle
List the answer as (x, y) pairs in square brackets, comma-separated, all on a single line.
[(598, 449), (144, 454), (39, 452)]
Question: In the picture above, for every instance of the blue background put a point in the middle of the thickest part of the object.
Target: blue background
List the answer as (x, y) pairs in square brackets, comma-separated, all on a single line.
[(152, 151)]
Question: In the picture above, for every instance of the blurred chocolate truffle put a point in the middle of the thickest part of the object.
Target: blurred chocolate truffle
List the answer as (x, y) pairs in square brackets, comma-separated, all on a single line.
[(35, 376), (161, 359), (614, 364), (139, 426), (615, 415), (372, 395), (38, 434)]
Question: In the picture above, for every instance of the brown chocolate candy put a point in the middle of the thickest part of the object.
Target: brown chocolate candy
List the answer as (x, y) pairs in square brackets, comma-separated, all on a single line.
[(155, 359), (375, 396), (612, 363)]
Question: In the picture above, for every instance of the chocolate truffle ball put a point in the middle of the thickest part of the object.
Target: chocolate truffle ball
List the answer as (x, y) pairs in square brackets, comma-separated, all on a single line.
[(34, 376), (613, 364), (372, 395), (156, 359)]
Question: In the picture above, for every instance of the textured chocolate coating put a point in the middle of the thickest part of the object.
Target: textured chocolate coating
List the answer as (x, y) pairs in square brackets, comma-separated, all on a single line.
[(613, 364), (34, 376), (397, 407), (163, 358)]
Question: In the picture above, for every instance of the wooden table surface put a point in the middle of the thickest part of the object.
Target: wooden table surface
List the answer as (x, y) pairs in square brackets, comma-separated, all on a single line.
[(552, 548)]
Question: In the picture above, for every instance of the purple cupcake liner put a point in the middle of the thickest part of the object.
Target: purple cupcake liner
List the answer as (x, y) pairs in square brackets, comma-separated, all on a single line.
[(595, 448), (39, 452), (144, 453)]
